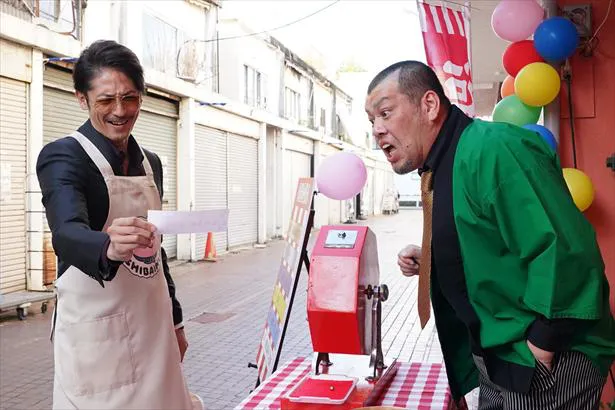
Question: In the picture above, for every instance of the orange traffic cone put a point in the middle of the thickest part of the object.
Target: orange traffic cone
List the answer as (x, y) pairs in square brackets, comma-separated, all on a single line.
[(210, 249)]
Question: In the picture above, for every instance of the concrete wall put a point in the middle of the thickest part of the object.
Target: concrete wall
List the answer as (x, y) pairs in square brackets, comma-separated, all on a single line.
[(254, 52)]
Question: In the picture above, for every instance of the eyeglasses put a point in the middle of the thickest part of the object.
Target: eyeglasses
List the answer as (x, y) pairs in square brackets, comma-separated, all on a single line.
[(128, 102)]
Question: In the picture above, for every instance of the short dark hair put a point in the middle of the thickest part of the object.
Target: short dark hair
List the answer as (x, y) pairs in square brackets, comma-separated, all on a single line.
[(103, 54), (414, 79)]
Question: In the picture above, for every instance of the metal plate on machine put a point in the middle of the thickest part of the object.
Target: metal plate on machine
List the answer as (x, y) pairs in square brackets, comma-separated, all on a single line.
[(341, 239)]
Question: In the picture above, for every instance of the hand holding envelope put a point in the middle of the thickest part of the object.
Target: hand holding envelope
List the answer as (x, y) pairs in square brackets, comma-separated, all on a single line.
[(178, 222)]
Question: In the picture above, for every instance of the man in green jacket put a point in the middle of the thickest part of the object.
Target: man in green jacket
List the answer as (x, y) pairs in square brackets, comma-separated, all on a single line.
[(520, 297)]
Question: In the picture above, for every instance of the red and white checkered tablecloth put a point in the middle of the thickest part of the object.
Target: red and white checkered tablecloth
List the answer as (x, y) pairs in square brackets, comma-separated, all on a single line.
[(419, 386)]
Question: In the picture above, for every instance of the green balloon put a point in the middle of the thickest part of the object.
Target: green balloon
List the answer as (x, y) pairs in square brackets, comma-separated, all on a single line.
[(513, 111)]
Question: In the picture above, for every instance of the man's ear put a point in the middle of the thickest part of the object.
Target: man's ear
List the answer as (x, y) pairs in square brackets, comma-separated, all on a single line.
[(431, 105), (83, 100)]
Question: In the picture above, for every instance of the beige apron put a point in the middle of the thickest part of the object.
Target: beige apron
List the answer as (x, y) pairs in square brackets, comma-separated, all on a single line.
[(115, 347)]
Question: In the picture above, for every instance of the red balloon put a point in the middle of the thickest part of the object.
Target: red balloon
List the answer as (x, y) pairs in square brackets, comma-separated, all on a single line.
[(518, 55)]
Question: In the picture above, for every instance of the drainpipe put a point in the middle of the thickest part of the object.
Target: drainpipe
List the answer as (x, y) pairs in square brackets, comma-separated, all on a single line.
[(552, 111), (123, 26), (217, 73)]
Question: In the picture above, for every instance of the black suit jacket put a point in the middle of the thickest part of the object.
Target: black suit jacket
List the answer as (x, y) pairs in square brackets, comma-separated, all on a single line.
[(76, 203)]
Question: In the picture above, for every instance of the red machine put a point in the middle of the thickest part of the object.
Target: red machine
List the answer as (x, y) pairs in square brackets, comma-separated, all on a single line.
[(344, 305)]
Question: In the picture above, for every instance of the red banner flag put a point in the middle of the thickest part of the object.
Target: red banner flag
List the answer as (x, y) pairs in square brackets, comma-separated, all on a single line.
[(446, 34)]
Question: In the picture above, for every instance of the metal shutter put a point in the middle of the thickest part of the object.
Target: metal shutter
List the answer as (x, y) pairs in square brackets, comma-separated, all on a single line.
[(156, 130), (368, 192), (299, 165), (242, 190), (321, 203), (379, 189), (330, 209), (210, 180), (61, 116), (335, 211), (59, 78), (325, 207), (13, 137)]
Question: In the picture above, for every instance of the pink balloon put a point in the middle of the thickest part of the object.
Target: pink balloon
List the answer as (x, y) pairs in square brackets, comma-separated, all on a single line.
[(341, 176), (516, 20)]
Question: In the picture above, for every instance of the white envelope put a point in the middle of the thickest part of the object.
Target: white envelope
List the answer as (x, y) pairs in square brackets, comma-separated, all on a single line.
[(176, 222)]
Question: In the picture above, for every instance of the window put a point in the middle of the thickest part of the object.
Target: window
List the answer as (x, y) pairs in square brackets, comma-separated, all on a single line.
[(254, 87), (161, 42), (312, 121), (323, 118), (340, 130), (292, 104), (63, 12), (48, 9)]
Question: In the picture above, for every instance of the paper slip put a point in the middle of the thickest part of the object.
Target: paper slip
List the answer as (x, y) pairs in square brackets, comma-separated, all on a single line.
[(174, 222)]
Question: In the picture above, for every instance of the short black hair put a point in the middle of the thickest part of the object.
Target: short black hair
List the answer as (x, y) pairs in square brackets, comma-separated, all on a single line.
[(103, 54), (414, 80)]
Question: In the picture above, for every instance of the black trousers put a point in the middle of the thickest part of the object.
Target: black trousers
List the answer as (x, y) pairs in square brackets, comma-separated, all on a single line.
[(575, 383)]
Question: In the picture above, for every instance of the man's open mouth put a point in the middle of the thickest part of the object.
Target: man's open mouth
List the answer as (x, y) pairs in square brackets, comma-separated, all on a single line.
[(118, 123), (388, 150)]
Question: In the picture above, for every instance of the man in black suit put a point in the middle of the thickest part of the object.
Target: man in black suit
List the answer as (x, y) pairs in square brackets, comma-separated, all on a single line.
[(97, 186)]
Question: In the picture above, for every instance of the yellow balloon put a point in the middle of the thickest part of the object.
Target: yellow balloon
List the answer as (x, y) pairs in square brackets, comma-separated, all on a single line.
[(537, 84), (580, 187)]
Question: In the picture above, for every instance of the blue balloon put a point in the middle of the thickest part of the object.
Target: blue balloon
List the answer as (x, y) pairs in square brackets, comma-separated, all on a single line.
[(545, 133), (556, 39)]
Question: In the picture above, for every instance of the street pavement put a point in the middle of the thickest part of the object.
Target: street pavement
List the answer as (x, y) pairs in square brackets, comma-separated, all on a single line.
[(225, 305)]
